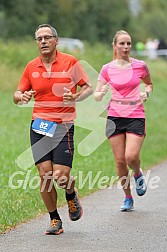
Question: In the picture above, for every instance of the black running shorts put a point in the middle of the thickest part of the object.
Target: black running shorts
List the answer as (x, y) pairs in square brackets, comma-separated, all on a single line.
[(119, 125), (59, 148)]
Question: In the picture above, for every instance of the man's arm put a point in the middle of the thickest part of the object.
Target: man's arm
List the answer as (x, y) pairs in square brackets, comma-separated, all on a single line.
[(22, 98), (85, 91)]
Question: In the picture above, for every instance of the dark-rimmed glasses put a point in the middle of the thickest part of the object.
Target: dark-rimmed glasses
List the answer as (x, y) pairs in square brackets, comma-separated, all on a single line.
[(46, 38)]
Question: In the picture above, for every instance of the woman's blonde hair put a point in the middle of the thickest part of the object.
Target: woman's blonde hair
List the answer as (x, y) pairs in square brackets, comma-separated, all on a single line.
[(117, 34)]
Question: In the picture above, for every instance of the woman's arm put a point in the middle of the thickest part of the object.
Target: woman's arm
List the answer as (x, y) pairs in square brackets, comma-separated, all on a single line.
[(101, 90), (148, 88)]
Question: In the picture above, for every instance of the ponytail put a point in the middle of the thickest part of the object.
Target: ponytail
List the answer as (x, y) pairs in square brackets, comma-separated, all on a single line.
[(114, 54)]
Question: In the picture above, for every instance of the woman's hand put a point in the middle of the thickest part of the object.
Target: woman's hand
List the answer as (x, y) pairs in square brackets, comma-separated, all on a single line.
[(104, 89), (101, 90), (143, 96)]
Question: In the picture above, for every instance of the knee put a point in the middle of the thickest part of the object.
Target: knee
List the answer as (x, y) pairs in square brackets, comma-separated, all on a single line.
[(45, 173), (120, 163), (132, 159), (61, 179)]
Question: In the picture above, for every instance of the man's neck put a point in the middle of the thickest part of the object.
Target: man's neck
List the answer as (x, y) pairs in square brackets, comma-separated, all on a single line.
[(49, 59)]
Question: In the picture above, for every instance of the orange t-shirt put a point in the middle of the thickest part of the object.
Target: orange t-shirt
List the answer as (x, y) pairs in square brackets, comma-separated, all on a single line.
[(66, 72)]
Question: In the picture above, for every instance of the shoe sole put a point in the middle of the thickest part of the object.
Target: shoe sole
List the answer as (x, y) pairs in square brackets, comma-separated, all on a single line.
[(141, 194), (127, 210), (81, 209), (55, 233)]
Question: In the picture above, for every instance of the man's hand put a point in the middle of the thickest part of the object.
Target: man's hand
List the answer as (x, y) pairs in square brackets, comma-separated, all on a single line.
[(22, 98), (68, 96), (26, 96)]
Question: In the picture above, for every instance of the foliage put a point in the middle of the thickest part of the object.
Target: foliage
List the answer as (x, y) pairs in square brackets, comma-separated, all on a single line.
[(88, 20), (151, 21)]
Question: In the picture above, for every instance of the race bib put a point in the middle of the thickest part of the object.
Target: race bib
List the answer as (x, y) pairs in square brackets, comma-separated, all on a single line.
[(44, 127)]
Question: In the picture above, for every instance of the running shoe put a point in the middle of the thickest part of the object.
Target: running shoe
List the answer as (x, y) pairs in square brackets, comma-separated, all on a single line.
[(55, 227), (127, 205), (74, 207), (141, 186)]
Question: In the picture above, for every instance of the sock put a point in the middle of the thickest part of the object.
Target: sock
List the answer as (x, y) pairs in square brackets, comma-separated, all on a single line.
[(136, 175), (54, 215), (70, 196), (128, 196)]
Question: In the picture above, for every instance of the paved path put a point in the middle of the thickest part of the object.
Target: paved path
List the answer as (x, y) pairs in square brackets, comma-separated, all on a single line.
[(103, 227)]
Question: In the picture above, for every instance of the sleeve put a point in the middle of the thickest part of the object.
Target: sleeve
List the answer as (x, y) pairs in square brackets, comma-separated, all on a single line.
[(145, 70), (79, 75), (24, 84), (103, 76)]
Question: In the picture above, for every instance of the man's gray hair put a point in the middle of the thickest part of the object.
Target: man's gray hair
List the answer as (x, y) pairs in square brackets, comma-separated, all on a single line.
[(54, 32)]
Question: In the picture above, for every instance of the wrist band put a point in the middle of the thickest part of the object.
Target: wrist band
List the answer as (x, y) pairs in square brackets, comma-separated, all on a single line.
[(148, 94)]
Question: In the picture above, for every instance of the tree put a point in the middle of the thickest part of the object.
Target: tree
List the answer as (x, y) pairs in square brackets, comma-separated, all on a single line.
[(88, 20), (151, 21), (91, 20)]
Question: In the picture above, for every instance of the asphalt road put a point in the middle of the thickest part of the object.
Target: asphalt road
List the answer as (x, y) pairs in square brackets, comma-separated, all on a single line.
[(103, 227)]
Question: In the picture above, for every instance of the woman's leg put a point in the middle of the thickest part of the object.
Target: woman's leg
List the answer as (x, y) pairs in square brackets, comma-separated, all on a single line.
[(132, 154), (118, 144), (132, 151)]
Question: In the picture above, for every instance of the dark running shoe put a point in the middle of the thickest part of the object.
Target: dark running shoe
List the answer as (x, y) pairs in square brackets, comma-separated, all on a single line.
[(141, 186), (127, 205), (74, 207), (55, 227)]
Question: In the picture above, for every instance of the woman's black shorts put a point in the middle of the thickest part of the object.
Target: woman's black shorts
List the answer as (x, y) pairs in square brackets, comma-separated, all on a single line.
[(119, 125), (59, 148)]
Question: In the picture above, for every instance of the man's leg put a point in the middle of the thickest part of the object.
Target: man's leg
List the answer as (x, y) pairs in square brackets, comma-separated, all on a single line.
[(49, 196), (65, 181), (47, 189)]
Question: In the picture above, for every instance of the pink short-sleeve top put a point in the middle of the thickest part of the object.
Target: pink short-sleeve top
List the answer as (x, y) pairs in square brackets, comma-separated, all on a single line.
[(125, 83)]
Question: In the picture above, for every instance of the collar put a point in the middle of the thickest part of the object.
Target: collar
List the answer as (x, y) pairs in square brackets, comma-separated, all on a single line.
[(39, 59)]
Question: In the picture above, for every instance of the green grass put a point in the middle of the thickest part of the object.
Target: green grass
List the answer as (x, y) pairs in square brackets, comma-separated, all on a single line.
[(20, 205)]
